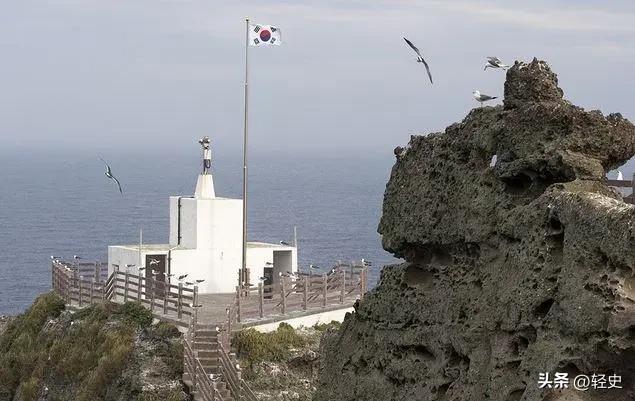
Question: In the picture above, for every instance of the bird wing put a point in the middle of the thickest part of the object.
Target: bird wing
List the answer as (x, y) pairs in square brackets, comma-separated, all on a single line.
[(494, 60), (108, 170), (427, 69), (413, 47), (118, 183)]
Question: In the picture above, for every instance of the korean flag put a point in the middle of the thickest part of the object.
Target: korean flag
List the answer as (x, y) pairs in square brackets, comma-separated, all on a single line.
[(264, 35)]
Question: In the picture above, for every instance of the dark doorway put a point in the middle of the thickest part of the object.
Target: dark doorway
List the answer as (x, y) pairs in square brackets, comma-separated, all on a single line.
[(268, 275), (155, 275)]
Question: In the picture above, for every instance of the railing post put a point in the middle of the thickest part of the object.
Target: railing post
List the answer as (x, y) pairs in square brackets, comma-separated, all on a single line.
[(80, 291), (238, 309), (195, 307), (151, 294), (324, 289), (97, 273), (342, 285), (92, 289), (283, 293), (166, 295), (179, 300), (125, 287), (261, 300), (305, 293)]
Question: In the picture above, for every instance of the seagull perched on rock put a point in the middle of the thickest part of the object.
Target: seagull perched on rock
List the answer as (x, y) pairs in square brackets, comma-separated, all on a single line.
[(419, 58), (112, 177), (494, 62), (481, 97)]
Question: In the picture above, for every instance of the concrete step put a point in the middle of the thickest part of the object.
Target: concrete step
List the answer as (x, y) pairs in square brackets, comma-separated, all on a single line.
[(213, 353)]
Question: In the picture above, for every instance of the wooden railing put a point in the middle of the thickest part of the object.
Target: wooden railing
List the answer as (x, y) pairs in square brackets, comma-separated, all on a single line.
[(624, 184), (300, 292), (202, 383), (83, 284)]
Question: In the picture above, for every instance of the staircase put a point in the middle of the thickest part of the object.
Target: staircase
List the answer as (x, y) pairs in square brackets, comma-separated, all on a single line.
[(203, 344)]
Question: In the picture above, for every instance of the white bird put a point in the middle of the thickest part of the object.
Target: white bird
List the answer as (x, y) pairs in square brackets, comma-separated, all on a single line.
[(494, 62), (199, 281), (366, 263), (262, 278), (268, 264), (284, 243), (55, 257), (154, 262), (76, 257), (492, 162), (182, 277), (419, 58), (112, 177), (619, 175), (313, 267), (481, 97)]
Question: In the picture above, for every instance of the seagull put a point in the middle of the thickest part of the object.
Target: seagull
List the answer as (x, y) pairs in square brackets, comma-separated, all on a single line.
[(494, 62), (154, 262), (480, 97), (313, 267), (76, 257), (141, 268), (492, 162), (199, 281), (55, 257), (268, 264), (182, 277), (262, 279), (112, 177), (366, 263), (419, 58), (619, 175), (284, 243), (189, 283)]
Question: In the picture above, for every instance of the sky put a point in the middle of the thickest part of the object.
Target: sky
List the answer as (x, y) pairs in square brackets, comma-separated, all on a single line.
[(141, 75)]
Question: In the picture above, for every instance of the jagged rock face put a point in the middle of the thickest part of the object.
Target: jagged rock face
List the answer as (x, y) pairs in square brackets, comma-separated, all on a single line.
[(512, 270)]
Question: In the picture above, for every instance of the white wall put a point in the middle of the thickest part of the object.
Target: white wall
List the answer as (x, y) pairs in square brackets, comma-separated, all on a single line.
[(308, 320)]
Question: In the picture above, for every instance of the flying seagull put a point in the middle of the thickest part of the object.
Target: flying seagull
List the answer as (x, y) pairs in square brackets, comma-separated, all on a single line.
[(112, 177), (481, 97), (494, 62), (419, 58), (154, 262)]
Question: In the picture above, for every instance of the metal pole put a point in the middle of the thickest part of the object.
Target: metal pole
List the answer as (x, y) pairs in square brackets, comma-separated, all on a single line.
[(243, 274)]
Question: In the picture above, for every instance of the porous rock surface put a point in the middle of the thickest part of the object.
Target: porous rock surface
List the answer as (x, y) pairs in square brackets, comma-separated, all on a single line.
[(510, 271)]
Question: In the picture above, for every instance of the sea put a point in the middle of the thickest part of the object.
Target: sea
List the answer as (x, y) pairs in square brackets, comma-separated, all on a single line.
[(59, 202)]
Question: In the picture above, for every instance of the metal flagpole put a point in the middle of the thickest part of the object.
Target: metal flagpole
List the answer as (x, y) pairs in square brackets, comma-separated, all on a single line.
[(243, 271)]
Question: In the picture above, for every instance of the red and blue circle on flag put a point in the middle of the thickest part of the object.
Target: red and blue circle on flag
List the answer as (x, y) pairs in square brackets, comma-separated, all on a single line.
[(265, 35)]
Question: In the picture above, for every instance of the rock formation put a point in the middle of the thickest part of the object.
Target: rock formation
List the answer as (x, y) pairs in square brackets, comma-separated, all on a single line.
[(510, 271)]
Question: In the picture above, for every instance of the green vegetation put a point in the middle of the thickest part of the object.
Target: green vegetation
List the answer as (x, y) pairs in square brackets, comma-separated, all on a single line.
[(89, 355), (253, 346)]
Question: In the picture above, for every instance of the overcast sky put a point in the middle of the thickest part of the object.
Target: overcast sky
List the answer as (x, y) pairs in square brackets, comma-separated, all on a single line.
[(121, 73)]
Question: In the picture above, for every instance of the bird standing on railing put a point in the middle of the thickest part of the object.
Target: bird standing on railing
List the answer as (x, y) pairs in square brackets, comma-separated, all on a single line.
[(181, 277)]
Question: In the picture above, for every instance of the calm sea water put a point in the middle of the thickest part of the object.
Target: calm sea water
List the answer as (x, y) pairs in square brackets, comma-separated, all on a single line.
[(61, 204)]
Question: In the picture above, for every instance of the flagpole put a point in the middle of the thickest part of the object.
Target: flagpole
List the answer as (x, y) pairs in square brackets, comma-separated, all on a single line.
[(243, 272)]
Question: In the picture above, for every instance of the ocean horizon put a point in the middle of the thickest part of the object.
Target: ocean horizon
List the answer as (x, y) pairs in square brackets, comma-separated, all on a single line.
[(60, 203)]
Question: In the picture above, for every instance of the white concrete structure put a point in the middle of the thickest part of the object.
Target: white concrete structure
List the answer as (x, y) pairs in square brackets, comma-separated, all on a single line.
[(205, 242)]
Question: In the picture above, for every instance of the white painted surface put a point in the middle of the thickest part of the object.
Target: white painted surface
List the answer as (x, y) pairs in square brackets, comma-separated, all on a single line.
[(205, 187), (205, 242), (308, 320)]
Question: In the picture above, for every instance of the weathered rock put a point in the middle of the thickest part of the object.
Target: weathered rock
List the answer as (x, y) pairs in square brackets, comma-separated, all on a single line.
[(511, 271)]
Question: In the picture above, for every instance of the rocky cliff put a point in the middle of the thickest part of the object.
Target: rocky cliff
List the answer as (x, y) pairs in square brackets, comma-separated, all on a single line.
[(512, 270)]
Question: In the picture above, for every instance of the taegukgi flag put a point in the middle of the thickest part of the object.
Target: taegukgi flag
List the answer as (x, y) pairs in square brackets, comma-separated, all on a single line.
[(264, 35)]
